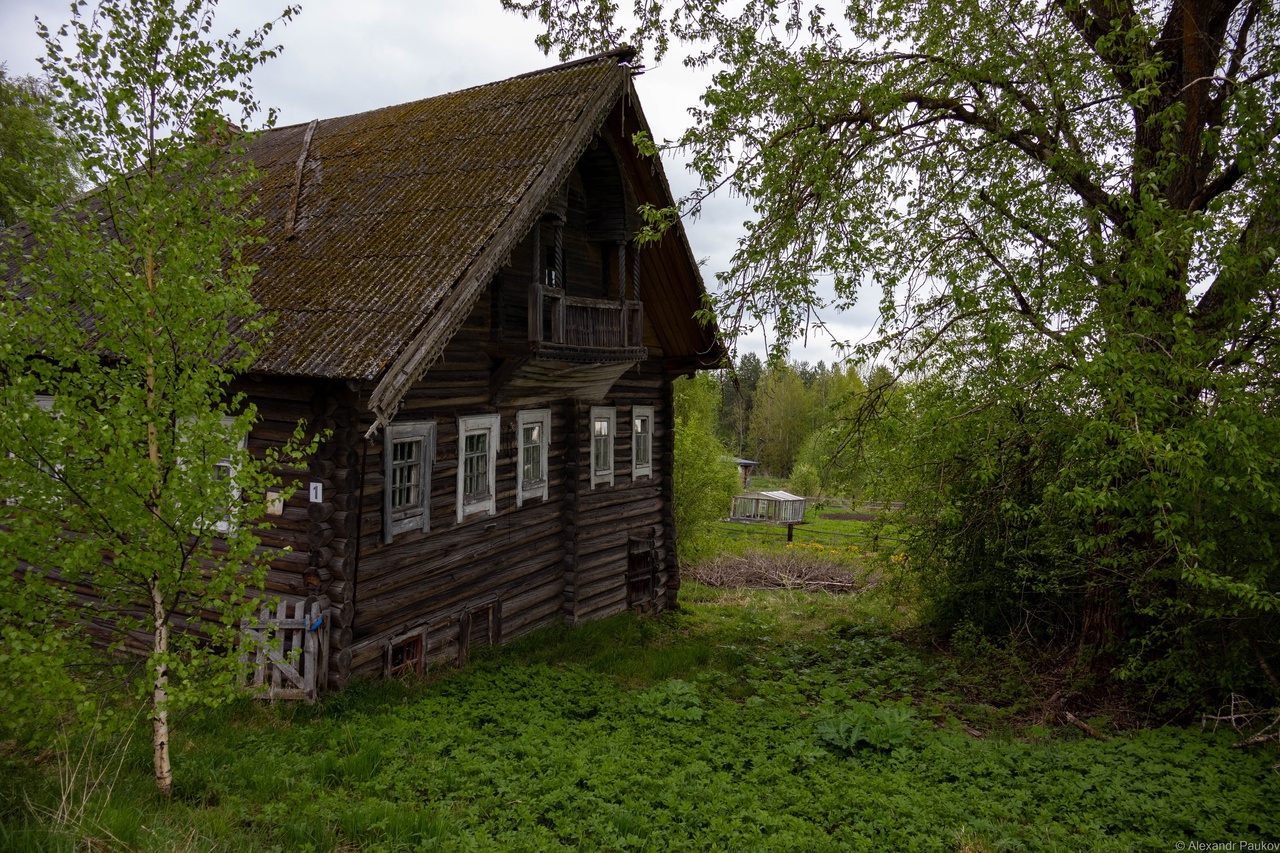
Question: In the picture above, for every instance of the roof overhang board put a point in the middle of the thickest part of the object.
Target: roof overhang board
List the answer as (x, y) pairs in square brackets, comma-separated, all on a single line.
[(539, 381), (671, 259), (431, 337)]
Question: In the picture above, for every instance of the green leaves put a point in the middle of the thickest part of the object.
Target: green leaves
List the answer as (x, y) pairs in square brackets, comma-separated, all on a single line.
[(1072, 236), (132, 494), (673, 700)]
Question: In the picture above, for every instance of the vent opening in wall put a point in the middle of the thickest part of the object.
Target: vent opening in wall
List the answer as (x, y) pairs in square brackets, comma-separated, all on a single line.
[(479, 626)]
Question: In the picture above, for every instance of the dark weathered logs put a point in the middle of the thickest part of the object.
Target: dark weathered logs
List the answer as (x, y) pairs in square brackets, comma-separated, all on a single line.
[(319, 533)]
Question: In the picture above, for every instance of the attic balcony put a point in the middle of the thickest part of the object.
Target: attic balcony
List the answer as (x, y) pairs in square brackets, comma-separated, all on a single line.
[(584, 330)]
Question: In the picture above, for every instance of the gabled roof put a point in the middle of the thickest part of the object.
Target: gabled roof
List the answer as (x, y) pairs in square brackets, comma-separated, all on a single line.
[(382, 229)]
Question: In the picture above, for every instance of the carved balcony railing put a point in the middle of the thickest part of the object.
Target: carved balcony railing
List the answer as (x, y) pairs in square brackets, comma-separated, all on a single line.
[(576, 328)]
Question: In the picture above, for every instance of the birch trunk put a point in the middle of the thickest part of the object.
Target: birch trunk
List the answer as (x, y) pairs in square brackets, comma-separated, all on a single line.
[(160, 694)]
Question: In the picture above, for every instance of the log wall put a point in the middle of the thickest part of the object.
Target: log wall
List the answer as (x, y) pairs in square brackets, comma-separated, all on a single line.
[(488, 577)]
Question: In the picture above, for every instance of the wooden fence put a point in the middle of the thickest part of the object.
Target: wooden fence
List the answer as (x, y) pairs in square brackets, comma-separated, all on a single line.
[(292, 651)]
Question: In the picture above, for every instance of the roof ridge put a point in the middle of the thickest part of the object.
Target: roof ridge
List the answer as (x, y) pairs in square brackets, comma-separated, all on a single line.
[(621, 54)]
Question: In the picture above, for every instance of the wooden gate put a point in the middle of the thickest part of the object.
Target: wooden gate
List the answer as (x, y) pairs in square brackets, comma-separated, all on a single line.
[(292, 651)]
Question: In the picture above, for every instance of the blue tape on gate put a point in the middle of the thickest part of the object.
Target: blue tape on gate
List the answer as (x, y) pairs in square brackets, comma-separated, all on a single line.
[(317, 624)]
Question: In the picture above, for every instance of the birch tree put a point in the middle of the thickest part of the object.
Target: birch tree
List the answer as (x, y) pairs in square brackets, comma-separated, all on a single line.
[(131, 494)]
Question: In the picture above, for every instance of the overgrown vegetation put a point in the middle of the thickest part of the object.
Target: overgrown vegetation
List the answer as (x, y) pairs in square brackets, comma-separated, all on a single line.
[(1068, 213), (704, 480), (778, 720)]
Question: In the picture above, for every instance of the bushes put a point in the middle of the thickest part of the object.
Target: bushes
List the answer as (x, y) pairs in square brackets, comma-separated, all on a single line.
[(1025, 529), (705, 477)]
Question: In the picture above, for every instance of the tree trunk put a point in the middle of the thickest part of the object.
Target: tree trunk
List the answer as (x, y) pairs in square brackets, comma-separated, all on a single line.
[(160, 694)]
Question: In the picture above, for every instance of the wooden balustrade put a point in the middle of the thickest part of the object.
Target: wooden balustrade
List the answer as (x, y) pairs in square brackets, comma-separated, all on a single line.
[(589, 324)]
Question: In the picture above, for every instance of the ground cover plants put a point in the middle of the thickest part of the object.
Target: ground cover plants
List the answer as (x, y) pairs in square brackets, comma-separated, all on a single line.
[(749, 720)]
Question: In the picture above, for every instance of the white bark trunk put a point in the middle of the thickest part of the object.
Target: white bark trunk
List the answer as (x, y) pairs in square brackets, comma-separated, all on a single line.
[(160, 695)]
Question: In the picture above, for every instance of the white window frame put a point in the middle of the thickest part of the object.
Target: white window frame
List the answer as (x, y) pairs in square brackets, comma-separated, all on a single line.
[(638, 468), (45, 403), (536, 489), (230, 521), (476, 425), (418, 516), (600, 476)]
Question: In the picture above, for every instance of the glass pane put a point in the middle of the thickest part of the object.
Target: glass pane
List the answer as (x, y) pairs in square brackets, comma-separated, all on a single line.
[(642, 441), (406, 473), (475, 473)]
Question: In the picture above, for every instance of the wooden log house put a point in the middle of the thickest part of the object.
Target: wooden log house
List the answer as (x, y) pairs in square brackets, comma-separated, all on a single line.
[(459, 298)]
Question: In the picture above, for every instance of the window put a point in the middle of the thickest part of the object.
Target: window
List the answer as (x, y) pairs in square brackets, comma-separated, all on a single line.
[(642, 441), (603, 427), (533, 431), (408, 450), (45, 403), (224, 471), (200, 450), (477, 464)]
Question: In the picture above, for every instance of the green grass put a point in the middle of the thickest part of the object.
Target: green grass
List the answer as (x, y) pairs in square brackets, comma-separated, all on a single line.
[(747, 721)]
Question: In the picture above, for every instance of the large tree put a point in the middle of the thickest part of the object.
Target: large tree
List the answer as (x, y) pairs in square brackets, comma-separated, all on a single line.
[(130, 492), (1070, 210)]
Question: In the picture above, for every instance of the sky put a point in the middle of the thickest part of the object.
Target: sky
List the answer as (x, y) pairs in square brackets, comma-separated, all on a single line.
[(346, 56)]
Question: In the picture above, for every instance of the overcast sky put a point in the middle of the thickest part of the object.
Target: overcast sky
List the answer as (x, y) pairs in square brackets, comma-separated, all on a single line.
[(346, 56)]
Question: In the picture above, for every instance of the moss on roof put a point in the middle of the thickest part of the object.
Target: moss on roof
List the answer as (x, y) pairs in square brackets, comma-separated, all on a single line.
[(393, 207)]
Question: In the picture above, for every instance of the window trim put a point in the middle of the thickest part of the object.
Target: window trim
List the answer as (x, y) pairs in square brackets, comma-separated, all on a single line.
[(600, 477), (230, 522), (472, 425), (419, 517), (539, 488), (646, 469)]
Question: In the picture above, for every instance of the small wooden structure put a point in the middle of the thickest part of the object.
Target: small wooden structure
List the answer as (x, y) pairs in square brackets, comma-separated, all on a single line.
[(775, 507)]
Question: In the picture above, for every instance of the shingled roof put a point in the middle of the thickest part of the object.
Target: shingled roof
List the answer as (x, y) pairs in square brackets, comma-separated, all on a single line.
[(401, 215), (382, 229)]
